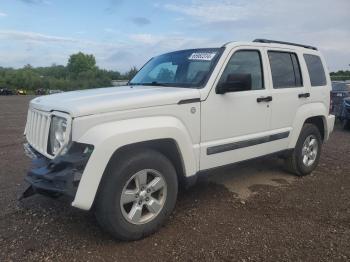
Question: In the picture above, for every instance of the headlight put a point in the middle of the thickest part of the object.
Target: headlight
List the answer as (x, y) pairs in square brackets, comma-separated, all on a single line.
[(58, 134)]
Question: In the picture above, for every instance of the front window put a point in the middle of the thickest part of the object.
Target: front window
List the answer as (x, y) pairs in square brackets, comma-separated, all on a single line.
[(187, 68), (245, 64)]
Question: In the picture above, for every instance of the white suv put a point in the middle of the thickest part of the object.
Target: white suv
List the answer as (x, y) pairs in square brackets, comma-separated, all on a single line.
[(123, 151)]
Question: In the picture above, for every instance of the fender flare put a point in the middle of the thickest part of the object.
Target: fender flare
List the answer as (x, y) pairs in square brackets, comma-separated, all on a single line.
[(109, 137), (303, 113)]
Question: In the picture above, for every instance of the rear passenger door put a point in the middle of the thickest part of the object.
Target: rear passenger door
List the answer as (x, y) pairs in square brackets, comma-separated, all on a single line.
[(288, 89)]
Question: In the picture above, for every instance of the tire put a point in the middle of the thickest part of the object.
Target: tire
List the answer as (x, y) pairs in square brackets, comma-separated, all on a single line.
[(346, 124), (296, 162), (125, 176)]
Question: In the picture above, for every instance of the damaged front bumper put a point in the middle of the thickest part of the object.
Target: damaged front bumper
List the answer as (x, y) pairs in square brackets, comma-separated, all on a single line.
[(59, 176)]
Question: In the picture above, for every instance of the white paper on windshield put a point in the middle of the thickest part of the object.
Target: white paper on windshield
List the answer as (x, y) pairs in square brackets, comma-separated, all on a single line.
[(202, 56)]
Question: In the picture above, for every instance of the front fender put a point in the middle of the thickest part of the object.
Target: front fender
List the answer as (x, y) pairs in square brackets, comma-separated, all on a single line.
[(108, 137)]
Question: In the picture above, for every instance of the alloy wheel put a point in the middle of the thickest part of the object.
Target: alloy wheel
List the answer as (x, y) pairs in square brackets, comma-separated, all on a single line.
[(310, 150), (143, 196)]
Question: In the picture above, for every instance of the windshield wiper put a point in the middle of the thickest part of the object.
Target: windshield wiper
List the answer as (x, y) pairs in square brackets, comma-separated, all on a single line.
[(154, 83)]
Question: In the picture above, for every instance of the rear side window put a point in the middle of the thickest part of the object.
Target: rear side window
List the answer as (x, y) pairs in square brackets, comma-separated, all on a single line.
[(316, 70), (285, 70)]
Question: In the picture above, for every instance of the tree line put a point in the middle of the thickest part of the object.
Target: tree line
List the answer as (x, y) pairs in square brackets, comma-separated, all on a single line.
[(341, 75), (81, 72)]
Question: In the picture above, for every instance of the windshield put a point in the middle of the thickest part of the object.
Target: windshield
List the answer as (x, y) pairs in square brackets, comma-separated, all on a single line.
[(187, 68)]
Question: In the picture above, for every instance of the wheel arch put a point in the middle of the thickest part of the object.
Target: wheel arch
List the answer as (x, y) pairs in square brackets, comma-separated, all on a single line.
[(167, 135), (166, 146), (319, 122), (315, 113)]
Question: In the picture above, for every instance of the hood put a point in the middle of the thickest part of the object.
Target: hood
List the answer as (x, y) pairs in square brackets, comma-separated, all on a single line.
[(103, 100)]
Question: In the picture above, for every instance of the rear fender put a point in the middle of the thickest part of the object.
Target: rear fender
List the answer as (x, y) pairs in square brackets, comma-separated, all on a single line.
[(304, 112)]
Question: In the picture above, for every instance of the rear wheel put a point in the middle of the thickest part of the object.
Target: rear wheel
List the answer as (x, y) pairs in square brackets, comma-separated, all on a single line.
[(137, 194), (306, 154)]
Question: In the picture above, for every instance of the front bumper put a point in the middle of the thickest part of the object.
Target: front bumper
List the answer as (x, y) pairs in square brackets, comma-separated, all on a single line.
[(59, 176)]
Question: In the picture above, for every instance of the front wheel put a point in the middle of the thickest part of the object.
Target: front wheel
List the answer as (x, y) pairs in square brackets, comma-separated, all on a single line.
[(137, 194), (306, 154)]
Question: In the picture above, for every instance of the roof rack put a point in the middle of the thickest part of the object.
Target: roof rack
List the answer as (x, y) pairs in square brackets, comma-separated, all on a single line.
[(283, 43)]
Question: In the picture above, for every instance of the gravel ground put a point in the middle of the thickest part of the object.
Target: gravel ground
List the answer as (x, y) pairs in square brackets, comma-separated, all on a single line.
[(306, 219)]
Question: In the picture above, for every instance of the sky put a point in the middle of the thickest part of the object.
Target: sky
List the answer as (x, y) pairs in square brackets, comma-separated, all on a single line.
[(126, 33)]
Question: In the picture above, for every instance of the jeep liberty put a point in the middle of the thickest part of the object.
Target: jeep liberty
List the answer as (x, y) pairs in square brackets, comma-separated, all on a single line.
[(123, 152)]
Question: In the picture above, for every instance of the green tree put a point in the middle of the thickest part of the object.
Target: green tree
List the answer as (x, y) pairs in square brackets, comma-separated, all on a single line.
[(81, 62), (81, 72), (341, 75), (131, 73)]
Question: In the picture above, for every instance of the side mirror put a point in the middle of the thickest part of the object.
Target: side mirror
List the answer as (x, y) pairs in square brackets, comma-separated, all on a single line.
[(234, 83)]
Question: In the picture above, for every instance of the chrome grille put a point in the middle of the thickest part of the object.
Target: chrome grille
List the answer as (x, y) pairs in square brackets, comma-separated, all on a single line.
[(37, 130)]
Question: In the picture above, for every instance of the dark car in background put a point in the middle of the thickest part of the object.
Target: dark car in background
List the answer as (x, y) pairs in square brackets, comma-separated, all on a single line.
[(54, 91), (345, 113), (6, 92), (40, 92), (340, 90)]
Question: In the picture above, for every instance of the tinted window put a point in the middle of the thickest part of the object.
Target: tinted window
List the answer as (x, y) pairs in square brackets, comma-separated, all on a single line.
[(285, 70), (245, 63), (316, 71), (297, 72)]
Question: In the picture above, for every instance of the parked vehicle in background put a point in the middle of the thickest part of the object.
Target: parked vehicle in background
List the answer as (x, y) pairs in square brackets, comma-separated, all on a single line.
[(21, 92), (345, 113), (340, 90), (124, 150), (40, 92), (6, 92), (54, 91)]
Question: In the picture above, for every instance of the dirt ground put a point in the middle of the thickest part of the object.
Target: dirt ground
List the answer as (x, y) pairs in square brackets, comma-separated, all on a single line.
[(251, 212)]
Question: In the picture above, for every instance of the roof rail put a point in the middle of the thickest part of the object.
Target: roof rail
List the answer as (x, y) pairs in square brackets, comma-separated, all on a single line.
[(283, 43), (227, 43)]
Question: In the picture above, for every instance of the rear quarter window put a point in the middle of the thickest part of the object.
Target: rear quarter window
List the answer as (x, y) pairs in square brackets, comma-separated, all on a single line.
[(316, 70)]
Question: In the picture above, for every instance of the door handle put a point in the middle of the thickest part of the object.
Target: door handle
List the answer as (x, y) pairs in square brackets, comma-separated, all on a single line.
[(264, 99), (304, 95)]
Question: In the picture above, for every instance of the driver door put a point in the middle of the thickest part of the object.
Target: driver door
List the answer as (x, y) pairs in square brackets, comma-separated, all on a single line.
[(235, 124)]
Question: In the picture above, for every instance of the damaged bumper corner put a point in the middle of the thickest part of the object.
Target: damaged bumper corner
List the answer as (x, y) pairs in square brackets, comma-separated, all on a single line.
[(60, 176)]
